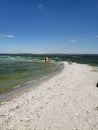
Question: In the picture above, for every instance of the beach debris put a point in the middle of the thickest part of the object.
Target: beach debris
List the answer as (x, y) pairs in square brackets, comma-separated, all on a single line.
[(97, 85), (87, 112), (69, 62), (96, 108), (2, 115), (17, 107)]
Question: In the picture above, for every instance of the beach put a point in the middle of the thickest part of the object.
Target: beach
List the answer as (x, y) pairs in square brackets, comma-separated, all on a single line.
[(67, 101)]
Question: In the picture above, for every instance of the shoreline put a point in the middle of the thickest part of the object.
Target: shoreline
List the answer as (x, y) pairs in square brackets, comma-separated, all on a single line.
[(28, 86), (67, 101)]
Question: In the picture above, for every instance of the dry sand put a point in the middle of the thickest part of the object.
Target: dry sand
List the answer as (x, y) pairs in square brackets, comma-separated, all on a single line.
[(68, 101)]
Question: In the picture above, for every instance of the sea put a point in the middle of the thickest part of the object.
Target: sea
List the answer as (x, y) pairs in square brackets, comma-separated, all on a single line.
[(16, 70)]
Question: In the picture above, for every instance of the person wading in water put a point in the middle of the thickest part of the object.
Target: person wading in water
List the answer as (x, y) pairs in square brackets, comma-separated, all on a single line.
[(47, 59)]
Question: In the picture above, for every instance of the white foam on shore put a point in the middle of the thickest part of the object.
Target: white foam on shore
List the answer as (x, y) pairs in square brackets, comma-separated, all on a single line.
[(68, 101)]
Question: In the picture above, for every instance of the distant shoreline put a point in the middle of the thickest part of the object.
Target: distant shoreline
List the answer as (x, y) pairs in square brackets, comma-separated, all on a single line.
[(49, 53)]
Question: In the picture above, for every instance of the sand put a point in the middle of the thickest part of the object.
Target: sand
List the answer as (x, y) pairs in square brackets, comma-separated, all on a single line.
[(68, 101)]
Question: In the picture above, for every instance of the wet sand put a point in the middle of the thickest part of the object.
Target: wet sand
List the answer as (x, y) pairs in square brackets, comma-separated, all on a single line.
[(67, 101)]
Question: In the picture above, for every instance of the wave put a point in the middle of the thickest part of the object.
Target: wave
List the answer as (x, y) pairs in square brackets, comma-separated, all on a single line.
[(19, 58)]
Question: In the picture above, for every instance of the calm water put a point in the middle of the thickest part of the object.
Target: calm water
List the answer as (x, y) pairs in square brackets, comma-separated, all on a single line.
[(83, 59), (17, 69)]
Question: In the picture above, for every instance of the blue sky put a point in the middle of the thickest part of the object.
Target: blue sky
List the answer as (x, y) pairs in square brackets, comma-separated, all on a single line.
[(49, 26)]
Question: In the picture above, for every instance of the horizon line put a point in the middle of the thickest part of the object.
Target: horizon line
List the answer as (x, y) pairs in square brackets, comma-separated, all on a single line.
[(55, 53)]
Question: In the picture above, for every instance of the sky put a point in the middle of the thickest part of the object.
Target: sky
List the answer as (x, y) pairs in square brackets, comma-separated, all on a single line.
[(49, 26)]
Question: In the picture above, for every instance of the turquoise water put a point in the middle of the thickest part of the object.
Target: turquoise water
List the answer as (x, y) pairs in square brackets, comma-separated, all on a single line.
[(17, 69)]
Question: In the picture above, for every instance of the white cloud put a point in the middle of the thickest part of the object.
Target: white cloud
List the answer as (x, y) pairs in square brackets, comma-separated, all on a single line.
[(10, 36), (97, 36), (6, 36), (73, 41), (40, 6)]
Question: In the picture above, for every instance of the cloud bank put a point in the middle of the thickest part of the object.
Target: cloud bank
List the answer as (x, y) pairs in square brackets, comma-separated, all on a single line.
[(97, 36)]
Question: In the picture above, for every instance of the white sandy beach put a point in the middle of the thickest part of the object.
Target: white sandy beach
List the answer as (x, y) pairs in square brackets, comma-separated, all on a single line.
[(68, 101)]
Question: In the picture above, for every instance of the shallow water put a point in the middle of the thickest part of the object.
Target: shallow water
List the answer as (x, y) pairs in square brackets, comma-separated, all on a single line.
[(15, 70)]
